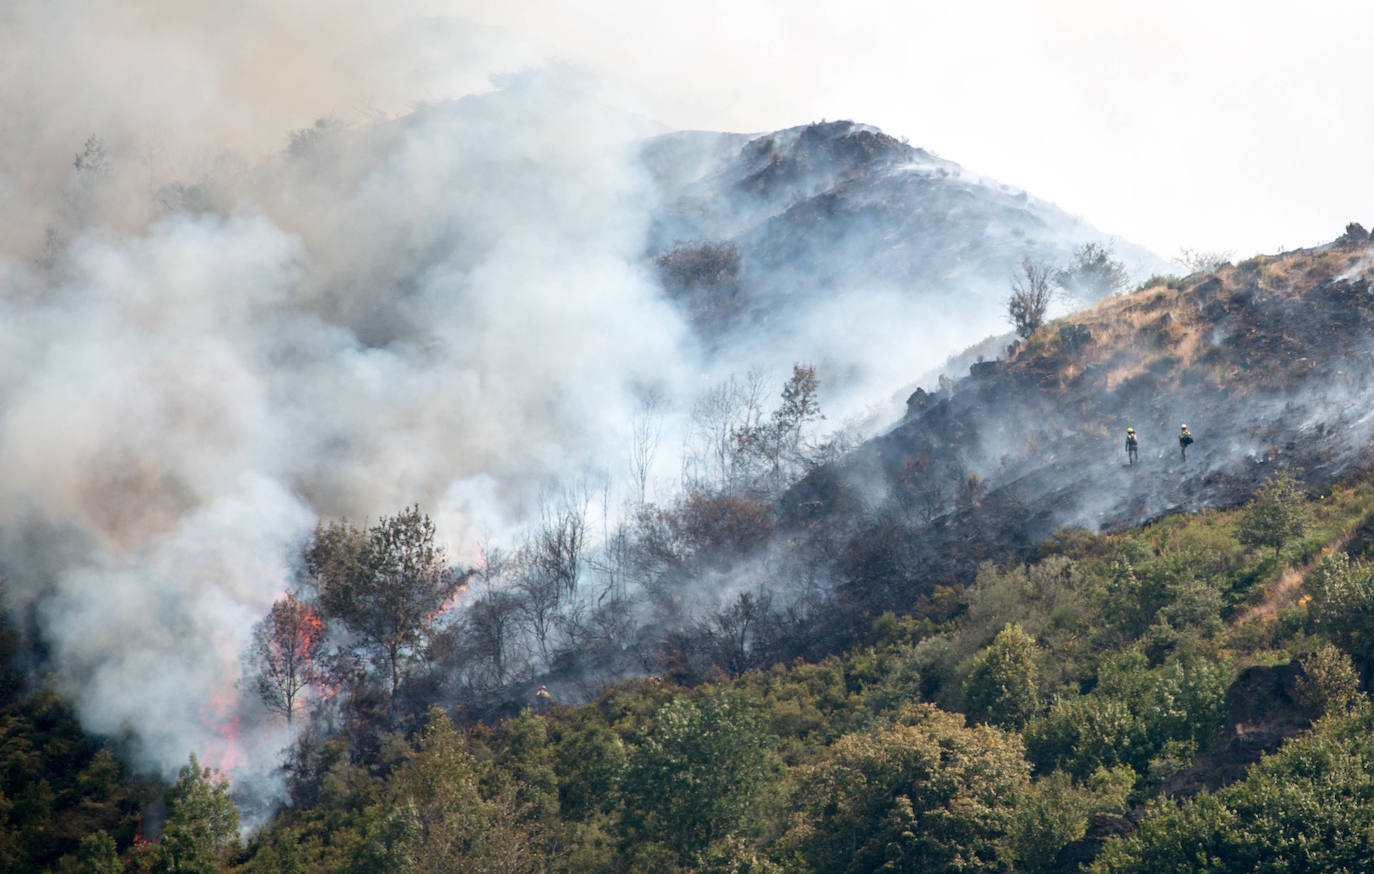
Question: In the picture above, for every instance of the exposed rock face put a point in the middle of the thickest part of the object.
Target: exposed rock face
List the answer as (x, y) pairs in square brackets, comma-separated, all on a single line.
[(917, 402), (984, 369)]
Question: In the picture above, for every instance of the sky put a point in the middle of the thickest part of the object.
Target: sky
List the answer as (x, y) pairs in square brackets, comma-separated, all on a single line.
[(1240, 126)]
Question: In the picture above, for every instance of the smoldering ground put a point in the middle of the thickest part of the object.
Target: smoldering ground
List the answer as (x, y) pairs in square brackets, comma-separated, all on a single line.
[(1267, 362)]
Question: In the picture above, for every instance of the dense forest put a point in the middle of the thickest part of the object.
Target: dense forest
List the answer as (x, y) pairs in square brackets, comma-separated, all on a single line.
[(1184, 695)]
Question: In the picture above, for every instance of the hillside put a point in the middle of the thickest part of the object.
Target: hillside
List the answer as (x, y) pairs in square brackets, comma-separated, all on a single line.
[(984, 689), (1266, 362), (461, 307), (766, 240)]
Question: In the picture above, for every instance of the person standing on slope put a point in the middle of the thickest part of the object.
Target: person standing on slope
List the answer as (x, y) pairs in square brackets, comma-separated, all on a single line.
[(1184, 440), (1131, 446)]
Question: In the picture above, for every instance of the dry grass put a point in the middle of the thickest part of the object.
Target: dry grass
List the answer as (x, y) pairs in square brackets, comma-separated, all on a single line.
[(1130, 335), (1283, 592), (1164, 330)]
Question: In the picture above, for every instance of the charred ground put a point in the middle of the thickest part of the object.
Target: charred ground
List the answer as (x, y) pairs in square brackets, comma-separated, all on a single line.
[(1267, 361)]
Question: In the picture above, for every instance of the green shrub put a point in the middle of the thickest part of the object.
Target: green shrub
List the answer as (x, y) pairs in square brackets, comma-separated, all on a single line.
[(1329, 683), (1342, 604)]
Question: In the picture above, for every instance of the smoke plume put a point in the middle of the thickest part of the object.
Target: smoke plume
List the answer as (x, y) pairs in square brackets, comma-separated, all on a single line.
[(216, 332), (263, 264)]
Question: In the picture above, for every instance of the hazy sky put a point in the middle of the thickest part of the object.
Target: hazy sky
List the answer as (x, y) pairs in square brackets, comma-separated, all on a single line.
[(1214, 125)]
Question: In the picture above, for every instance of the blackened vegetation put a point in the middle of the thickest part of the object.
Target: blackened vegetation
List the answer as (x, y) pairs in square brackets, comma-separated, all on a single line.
[(1267, 362), (828, 150), (833, 207), (703, 278), (781, 548), (785, 550), (1018, 722)]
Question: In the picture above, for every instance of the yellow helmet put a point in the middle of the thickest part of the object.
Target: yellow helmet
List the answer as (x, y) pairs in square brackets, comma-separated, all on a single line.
[(1130, 430)]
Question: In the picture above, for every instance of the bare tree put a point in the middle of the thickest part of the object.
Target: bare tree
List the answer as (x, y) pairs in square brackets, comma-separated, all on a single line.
[(711, 460), (777, 445), (735, 630), (490, 632), (1030, 298), (1199, 261), (284, 656), (539, 600), (558, 545), (645, 431)]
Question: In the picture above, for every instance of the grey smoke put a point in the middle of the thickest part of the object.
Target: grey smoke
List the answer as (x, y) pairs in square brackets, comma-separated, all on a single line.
[(448, 308), (216, 331)]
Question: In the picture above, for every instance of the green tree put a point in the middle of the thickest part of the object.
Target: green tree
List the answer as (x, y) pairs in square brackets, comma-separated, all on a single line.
[(440, 785), (437, 817), (1198, 837), (524, 753), (1001, 689), (386, 585), (1343, 602), (1080, 734), (697, 776), (927, 794), (1329, 683), (1093, 273), (1278, 513), (390, 840), (590, 764), (279, 854), (97, 854), (202, 823), (1056, 811), (1309, 807)]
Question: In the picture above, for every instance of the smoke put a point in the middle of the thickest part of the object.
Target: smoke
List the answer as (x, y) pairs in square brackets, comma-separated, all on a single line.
[(214, 332), (263, 264)]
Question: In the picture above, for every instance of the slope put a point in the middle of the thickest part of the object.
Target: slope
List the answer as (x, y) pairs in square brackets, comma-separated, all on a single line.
[(767, 241), (1266, 361)]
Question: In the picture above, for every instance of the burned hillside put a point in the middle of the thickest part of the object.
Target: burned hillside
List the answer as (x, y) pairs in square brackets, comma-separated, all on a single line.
[(771, 236), (1266, 361)]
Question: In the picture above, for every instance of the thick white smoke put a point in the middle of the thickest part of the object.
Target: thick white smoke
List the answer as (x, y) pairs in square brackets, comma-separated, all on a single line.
[(212, 333), (266, 263)]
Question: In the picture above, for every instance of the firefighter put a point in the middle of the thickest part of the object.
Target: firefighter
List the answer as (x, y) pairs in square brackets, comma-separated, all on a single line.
[(1130, 446), (1184, 439)]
